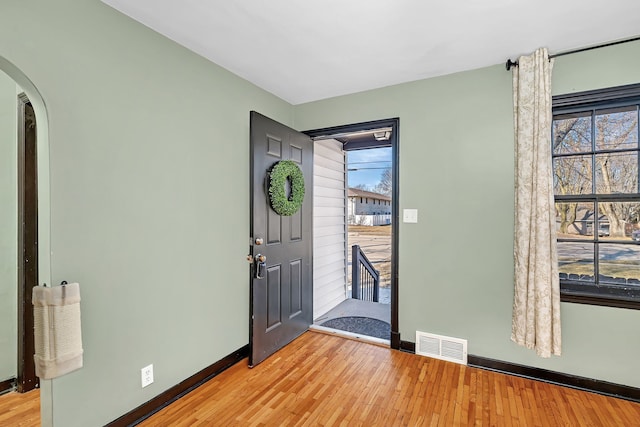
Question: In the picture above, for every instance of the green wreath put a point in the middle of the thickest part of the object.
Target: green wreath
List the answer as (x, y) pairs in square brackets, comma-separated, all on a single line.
[(282, 171)]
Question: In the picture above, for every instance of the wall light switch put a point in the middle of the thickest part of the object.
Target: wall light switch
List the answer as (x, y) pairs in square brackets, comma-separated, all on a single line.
[(410, 215)]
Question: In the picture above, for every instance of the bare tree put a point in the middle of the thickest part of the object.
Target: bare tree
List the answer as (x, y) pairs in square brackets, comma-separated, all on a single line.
[(363, 187), (572, 175), (616, 170), (385, 186)]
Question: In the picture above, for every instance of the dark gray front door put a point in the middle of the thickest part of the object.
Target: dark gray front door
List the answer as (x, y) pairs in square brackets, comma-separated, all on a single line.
[(281, 298)]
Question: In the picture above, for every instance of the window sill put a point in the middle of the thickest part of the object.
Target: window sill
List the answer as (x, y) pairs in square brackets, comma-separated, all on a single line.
[(591, 299)]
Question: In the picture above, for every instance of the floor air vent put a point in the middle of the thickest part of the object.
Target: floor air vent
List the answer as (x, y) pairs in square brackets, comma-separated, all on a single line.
[(441, 347)]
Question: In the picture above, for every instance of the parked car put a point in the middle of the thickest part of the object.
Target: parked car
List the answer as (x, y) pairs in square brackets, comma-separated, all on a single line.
[(635, 235)]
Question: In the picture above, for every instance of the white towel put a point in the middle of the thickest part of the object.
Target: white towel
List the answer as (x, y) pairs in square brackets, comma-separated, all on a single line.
[(58, 337)]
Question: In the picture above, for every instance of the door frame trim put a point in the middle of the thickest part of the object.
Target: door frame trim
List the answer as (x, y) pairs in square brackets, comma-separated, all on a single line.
[(26, 371), (394, 123)]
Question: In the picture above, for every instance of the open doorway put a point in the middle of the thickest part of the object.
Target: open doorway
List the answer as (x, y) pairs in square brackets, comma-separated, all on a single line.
[(27, 175), (355, 230), (20, 262), (19, 240)]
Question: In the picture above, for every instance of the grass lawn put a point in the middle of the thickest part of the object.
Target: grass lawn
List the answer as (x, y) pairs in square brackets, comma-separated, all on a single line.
[(378, 230), (375, 242)]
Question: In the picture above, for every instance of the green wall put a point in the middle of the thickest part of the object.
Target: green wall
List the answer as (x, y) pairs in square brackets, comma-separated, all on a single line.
[(149, 181), (8, 228), (456, 167)]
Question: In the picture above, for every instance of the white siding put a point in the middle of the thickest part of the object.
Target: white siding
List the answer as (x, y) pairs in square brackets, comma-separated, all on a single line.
[(329, 227), (369, 206)]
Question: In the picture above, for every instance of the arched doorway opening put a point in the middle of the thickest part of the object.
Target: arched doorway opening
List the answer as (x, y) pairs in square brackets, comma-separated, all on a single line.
[(28, 183)]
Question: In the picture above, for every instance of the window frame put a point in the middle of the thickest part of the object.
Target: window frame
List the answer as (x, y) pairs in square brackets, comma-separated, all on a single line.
[(579, 291)]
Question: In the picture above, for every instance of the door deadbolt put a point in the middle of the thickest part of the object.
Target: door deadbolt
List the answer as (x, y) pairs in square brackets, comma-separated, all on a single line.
[(260, 266), (259, 241)]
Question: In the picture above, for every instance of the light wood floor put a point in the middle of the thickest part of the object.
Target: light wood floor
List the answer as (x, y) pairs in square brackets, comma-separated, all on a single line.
[(20, 410), (326, 380)]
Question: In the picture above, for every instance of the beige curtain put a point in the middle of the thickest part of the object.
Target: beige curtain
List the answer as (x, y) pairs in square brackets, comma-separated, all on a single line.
[(536, 303)]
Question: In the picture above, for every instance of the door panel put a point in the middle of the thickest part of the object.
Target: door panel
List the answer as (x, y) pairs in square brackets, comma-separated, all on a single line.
[(281, 301), (296, 227), (274, 228), (274, 289), (295, 272)]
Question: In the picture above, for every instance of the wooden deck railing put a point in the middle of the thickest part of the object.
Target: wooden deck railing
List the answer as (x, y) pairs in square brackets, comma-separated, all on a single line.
[(365, 280)]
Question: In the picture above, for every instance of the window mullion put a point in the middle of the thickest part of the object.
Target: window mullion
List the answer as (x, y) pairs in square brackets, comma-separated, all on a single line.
[(596, 214), (593, 150), (596, 244), (638, 143)]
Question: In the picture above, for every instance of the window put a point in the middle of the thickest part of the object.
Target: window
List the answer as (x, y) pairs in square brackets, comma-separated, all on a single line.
[(597, 198)]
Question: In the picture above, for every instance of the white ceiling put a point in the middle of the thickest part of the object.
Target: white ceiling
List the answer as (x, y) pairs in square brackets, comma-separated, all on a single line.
[(305, 50)]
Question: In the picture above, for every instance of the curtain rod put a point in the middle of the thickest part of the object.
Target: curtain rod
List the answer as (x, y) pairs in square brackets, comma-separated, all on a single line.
[(511, 63)]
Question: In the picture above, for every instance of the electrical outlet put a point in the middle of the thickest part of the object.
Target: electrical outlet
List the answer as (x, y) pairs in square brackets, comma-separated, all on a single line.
[(147, 375)]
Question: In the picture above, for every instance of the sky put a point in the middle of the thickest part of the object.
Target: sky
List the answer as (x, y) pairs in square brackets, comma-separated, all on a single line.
[(369, 164)]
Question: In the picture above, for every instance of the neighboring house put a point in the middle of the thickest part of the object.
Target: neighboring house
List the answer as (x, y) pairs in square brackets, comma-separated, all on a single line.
[(144, 176), (363, 202), (583, 223)]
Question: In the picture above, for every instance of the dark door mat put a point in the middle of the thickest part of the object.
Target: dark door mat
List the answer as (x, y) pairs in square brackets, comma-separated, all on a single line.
[(361, 325)]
